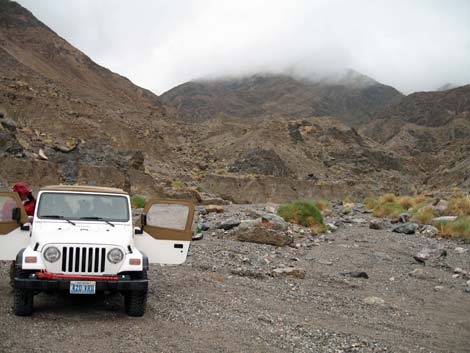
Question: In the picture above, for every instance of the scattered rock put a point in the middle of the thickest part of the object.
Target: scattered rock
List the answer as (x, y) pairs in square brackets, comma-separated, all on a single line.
[(429, 231), (332, 227), (407, 228), (42, 155), (271, 208), (441, 206), (228, 224), (247, 224), (8, 124), (289, 271), (325, 262), (435, 251), (358, 220), (374, 301), (376, 224), (418, 273), (404, 217), (445, 219), (244, 272), (355, 274), (275, 221), (214, 208), (263, 235), (438, 288), (460, 250)]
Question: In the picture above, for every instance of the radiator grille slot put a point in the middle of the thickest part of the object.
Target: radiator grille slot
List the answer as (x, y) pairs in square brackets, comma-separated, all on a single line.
[(83, 259)]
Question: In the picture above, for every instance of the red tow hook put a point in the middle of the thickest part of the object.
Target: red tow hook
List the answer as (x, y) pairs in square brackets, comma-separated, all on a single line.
[(46, 275)]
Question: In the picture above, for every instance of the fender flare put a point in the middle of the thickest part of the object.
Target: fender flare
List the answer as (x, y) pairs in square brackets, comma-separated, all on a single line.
[(19, 259)]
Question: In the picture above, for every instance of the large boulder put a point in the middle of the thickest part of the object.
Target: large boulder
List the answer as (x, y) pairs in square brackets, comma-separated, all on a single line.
[(261, 235), (407, 228)]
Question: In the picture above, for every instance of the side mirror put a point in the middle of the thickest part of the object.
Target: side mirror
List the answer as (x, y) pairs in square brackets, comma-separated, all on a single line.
[(16, 215)]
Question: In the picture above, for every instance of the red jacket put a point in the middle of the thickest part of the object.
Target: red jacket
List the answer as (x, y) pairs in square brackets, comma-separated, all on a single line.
[(29, 207)]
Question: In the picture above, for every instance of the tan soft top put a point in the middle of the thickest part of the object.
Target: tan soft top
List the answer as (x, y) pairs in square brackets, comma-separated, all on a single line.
[(84, 188)]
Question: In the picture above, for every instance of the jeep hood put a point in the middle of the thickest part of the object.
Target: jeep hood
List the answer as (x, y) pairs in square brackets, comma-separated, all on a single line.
[(81, 233)]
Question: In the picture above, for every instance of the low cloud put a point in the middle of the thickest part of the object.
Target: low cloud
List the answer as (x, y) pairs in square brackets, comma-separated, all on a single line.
[(411, 45)]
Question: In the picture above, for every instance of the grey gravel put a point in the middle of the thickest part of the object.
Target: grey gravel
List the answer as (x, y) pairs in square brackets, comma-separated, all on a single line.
[(225, 299)]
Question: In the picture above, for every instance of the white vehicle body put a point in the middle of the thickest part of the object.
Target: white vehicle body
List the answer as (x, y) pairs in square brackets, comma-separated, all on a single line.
[(70, 240)]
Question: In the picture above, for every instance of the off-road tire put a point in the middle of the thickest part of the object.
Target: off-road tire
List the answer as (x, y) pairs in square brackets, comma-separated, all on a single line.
[(23, 302), (135, 302), (23, 299)]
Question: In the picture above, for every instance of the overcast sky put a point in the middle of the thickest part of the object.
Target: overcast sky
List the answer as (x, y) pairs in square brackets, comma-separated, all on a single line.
[(411, 45)]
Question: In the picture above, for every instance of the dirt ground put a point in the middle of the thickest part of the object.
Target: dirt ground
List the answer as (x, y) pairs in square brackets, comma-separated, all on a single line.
[(225, 298)]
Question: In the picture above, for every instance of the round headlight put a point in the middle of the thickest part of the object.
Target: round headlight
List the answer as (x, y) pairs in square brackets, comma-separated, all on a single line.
[(115, 255), (52, 254)]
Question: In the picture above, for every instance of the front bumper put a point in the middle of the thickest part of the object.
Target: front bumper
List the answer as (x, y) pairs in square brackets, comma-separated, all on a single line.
[(121, 285)]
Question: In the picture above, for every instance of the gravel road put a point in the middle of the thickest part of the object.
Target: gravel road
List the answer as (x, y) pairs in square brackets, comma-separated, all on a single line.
[(226, 298)]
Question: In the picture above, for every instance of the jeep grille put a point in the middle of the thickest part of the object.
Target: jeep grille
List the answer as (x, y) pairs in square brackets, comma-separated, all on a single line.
[(79, 259)]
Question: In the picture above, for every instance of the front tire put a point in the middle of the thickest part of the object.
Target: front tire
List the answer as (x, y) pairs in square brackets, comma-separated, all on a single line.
[(23, 302), (135, 302), (23, 299)]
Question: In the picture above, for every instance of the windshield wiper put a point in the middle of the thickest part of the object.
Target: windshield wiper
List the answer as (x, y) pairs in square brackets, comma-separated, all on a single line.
[(97, 219), (55, 216)]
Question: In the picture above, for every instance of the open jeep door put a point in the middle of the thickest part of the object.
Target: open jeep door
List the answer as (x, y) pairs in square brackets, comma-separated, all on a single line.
[(12, 237), (166, 231)]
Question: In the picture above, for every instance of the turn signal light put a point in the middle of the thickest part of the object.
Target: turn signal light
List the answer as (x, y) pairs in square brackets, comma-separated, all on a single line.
[(135, 262), (30, 259)]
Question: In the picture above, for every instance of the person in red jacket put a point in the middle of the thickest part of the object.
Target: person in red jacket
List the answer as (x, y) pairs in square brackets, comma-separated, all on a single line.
[(26, 195)]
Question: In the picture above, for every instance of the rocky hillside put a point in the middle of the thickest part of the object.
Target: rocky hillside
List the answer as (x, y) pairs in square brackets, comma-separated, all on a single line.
[(67, 119), (267, 137), (433, 128), (352, 97)]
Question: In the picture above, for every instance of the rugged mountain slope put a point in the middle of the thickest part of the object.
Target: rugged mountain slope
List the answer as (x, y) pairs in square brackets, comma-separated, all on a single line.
[(63, 118), (352, 97), (433, 128), (93, 125)]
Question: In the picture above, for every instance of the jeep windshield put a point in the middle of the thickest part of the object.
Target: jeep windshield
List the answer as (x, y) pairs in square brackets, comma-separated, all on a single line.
[(83, 207)]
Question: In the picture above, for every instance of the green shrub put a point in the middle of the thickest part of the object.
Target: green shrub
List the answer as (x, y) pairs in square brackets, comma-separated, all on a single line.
[(423, 215), (371, 203), (388, 209), (406, 202), (304, 213), (458, 228), (459, 206), (177, 184), (137, 201), (199, 188)]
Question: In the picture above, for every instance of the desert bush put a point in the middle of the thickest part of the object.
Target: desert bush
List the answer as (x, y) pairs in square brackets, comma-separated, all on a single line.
[(199, 188), (387, 198), (177, 184), (423, 214), (406, 202), (458, 228), (421, 199), (304, 213), (321, 204), (371, 202), (388, 209), (137, 201), (459, 206)]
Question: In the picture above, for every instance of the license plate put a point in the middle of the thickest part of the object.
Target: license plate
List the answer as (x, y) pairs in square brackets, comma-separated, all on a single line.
[(82, 287)]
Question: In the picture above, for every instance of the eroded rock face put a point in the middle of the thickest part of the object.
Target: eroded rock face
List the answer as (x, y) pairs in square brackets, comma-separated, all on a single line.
[(260, 161), (9, 145)]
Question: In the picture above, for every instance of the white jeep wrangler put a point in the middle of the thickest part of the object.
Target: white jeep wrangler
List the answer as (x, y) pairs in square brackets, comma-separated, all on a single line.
[(83, 241)]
